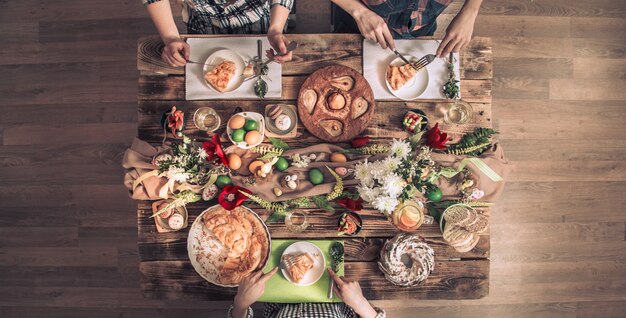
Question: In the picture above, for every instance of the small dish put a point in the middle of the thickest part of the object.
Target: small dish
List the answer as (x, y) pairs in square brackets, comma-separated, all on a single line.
[(218, 57), (319, 265), (287, 110), (349, 216), (415, 87), (248, 115)]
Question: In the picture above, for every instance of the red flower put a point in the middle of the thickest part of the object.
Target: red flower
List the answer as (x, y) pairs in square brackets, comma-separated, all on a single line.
[(175, 120), (437, 139), (359, 142), (230, 197), (214, 148), (354, 205)]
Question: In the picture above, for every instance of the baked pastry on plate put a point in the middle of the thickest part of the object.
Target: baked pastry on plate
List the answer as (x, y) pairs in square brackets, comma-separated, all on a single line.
[(297, 265), (398, 76), (220, 76)]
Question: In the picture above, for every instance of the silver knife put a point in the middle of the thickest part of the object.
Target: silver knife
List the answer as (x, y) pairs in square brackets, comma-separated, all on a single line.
[(404, 59)]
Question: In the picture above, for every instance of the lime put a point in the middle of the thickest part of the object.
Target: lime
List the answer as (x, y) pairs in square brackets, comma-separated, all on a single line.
[(434, 194), (315, 176), (222, 180), (281, 164), (238, 135), (251, 124)]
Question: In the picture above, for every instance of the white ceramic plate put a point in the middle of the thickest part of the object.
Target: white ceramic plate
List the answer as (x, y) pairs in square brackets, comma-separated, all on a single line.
[(218, 57), (415, 86), (248, 115), (196, 229), (315, 273)]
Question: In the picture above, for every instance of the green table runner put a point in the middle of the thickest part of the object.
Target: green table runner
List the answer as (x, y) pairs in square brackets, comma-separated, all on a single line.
[(279, 290)]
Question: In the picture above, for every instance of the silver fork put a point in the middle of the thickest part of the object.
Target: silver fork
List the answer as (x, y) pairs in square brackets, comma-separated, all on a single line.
[(427, 59)]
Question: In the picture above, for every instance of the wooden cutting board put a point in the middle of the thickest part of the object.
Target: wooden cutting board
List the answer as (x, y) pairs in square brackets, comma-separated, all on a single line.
[(335, 103)]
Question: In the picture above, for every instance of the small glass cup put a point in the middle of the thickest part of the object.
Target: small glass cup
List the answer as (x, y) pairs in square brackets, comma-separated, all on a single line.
[(291, 221), (206, 119), (458, 112)]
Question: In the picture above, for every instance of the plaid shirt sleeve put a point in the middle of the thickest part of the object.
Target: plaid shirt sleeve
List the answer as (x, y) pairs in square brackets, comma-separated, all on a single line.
[(147, 2), (285, 3)]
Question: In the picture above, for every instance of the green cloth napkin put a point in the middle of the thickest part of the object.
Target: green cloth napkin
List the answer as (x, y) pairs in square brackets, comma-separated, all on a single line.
[(279, 290)]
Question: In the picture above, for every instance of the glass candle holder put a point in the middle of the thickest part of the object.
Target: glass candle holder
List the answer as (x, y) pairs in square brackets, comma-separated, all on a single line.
[(206, 119), (296, 221)]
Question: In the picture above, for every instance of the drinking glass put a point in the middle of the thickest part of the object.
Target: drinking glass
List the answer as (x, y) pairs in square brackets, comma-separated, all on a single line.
[(206, 119), (459, 112)]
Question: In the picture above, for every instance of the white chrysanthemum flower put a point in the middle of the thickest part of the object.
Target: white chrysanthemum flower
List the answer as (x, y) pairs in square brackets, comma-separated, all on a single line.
[(368, 194), (400, 148), (379, 171), (385, 204), (362, 173), (391, 163), (393, 185), (202, 153)]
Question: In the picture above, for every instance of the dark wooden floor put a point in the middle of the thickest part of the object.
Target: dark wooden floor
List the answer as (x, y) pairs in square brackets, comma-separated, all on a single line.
[(68, 111)]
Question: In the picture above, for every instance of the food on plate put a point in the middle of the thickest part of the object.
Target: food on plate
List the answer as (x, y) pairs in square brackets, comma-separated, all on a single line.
[(332, 126), (176, 222), (398, 76), (463, 227), (253, 137), (359, 107), (274, 112), (309, 98), (221, 75), (283, 122), (248, 71), (343, 82), (336, 101), (349, 224), (297, 265), (230, 245), (236, 122), (234, 161)]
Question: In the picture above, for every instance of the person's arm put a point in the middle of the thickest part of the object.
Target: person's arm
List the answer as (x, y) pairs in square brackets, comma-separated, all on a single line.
[(249, 291), (161, 14), (351, 294), (279, 13), (370, 24), (459, 32)]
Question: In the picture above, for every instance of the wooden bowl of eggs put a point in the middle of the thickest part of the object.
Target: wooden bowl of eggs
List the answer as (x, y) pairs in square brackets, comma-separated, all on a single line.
[(246, 129)]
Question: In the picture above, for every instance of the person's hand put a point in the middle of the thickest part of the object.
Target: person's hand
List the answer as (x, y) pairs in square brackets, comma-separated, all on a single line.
[(458, 33), (172, 52), (374, 28), (279, 42), (351, 294), (251, 288)]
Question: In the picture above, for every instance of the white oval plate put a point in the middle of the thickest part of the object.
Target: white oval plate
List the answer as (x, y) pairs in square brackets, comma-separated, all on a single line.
[(315, 273), (248, 115), (415, 87), (218, 57)]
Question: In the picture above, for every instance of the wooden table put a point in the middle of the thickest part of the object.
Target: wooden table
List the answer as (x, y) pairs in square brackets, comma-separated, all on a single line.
[(165, 269)]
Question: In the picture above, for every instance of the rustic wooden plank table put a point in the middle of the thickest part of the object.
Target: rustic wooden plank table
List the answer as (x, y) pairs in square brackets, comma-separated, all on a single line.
[(165, 269)]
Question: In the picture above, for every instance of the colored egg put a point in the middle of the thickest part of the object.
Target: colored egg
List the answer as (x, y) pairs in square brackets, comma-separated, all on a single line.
[(253, 137), (238, 135), (434, 195), (281, 164), (222, 181), (250, 125), (236, 122), (234, 161), (255, 165), (316, 176), (338, 157)]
